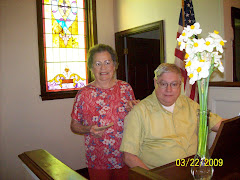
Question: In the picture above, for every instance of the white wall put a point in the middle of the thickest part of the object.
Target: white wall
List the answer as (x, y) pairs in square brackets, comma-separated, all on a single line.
[(27, 122), (129, 14), (105, 22), (209, 13), (224, 101)]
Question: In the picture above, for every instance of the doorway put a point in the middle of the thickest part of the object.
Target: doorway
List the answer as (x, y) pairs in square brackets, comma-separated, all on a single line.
[(140, 50), (235, 13)]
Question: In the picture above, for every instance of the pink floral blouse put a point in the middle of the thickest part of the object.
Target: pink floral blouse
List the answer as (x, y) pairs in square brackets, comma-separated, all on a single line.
[(102, 106)]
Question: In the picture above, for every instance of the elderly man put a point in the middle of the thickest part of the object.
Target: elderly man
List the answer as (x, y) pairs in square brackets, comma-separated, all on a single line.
[(163, 126)]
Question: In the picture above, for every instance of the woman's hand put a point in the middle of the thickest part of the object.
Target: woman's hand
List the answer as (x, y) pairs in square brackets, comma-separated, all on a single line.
[(132, 103), (96, 132)]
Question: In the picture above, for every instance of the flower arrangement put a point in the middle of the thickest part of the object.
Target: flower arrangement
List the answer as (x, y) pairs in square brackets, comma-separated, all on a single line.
[(201, 59)]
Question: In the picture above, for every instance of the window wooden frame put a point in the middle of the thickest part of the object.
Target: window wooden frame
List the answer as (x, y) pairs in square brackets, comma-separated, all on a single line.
[(89, 4)]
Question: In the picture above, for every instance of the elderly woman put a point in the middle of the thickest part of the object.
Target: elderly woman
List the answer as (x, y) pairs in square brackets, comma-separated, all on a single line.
[(98, 113)]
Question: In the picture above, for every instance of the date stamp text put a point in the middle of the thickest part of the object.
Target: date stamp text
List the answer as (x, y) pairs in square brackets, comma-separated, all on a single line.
[(198, 162)]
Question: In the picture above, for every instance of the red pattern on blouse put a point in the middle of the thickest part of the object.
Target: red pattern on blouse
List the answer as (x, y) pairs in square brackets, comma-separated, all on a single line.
[(101, 107)]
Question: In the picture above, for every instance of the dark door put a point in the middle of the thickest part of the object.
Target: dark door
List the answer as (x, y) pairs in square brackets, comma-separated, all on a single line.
[(143, 58)]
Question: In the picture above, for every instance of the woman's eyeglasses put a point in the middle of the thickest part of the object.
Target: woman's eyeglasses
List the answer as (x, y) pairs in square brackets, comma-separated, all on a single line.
[(106, 63)]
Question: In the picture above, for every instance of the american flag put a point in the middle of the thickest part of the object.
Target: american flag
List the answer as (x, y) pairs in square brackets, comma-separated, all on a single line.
[(186, 18)]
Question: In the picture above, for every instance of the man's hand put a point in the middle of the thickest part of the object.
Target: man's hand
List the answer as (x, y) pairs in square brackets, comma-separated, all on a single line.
[(216, 127), (132, 161), (132, 103)]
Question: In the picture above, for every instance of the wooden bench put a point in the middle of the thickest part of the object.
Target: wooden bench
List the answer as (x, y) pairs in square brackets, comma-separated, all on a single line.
[(45, 166)]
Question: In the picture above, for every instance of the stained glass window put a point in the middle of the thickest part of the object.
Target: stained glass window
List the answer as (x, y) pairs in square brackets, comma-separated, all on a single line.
[(63, 41)]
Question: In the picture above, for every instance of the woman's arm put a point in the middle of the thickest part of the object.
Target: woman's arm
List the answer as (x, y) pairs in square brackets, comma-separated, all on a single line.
[(78, 128), (132, 103)]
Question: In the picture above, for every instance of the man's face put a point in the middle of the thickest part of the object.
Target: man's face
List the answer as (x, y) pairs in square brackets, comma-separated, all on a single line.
[(167, 88)]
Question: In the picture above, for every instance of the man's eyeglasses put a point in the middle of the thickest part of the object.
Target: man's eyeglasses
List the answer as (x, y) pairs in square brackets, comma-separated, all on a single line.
[(163, 85)]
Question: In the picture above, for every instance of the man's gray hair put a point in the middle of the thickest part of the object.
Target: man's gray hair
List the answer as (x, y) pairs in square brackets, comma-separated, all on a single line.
[(167, 67)]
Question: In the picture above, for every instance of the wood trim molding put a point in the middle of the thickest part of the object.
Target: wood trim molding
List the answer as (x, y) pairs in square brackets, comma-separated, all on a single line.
[(225, 84), (119, 43), (140, 173)]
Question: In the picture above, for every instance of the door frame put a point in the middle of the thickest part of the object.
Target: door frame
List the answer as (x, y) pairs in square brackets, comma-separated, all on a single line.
[(235, 14), (119, 43)]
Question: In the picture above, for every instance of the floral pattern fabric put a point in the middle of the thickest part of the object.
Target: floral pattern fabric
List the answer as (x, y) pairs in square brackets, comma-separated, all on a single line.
[(96, 106)]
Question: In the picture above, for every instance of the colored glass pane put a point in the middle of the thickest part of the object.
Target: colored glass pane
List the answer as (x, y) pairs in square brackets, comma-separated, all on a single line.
[(64, 44)]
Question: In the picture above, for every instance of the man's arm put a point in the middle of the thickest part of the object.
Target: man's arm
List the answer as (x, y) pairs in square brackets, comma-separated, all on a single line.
[(216, 127), (132, 161)]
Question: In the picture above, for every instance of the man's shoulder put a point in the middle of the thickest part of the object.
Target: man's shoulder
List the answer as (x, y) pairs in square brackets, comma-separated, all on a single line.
[(184, 100), (146, 103)]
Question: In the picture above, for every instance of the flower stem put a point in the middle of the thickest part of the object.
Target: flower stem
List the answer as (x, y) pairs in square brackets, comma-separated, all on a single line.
[(203, 128), (203, 114)]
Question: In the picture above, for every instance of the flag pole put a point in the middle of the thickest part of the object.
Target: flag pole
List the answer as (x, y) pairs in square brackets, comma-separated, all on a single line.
[(183, 19), (187, 7)]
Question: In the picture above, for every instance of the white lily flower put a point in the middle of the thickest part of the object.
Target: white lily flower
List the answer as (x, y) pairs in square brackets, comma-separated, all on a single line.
[(193, 77), (202, 57), (216, 57), (181, 44), (184, 36), (220, 44), (218, 41), (221, 68), (189, 49), (209, 45), (192, 64), (192, 74), (194, 29), (215, 35), (205, 56), (203, 69), (218, 62), (201, 54), (198, 45), (197, 69)]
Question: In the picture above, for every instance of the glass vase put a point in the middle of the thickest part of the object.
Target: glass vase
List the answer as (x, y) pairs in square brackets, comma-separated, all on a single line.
[(201, 169)]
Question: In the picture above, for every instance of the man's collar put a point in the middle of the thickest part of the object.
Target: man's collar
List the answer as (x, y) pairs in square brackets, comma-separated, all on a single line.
[(178, 102)]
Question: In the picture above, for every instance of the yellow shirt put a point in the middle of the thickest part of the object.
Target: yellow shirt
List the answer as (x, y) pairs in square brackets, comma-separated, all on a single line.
[(158, 136)]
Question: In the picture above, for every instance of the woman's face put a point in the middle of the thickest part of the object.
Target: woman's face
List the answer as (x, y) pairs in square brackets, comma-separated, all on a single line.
[(103, 66)]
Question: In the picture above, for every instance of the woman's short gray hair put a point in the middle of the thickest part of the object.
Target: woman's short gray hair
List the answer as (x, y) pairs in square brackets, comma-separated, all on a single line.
[(101, 48), (167, 67)]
